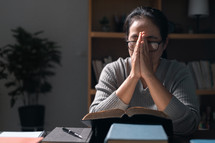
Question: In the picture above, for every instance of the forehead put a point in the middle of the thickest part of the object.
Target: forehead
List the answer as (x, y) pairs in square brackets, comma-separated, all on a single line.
[(144, 25)]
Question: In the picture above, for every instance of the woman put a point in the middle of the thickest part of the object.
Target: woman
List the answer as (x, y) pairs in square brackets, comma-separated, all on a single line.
[(145, 79)]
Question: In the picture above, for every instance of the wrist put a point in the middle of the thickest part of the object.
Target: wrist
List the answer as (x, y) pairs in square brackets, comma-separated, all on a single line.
[(133, 77), (148, 77)]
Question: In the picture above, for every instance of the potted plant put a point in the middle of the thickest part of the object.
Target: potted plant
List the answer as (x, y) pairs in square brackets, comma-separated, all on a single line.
[(30, 62)]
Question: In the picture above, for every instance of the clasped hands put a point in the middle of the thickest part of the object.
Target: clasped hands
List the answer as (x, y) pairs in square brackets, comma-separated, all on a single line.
[(141, 61)]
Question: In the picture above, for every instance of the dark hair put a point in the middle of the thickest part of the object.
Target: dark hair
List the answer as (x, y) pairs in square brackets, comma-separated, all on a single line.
[(155, 15)]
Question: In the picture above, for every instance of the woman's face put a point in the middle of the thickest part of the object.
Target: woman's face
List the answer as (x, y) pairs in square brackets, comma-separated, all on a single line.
[(152, 34)]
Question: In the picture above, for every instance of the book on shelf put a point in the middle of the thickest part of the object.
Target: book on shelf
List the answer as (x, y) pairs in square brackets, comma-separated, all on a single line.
[(135, 133), (198, 75), (206, 73), (190, 66), (102, 120), (213, 74), (98, 65), (57, 135), (97, 68), (202, 73)]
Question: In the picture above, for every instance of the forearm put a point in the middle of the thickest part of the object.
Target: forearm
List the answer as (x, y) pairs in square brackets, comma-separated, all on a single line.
[(126, 90), (185, 117), (112, 78), (159, 93), (106, 99), (101, 102)]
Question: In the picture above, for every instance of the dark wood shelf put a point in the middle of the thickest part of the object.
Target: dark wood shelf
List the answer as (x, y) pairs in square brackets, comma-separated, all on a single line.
[(205, 92), (171, 36)]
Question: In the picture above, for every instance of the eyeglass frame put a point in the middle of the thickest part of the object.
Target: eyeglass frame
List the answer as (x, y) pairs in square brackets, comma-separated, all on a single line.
[(148, 42)]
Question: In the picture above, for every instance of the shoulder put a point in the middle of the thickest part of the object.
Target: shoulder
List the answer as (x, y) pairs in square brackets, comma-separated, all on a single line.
[(121, 62), (119, 68), (119, 65), (173, 65), (173, 69), (176, 71)]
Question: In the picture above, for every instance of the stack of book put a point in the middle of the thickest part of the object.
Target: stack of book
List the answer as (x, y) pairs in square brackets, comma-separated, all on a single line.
[(98, 65), (136, 133), (203, 73), (202, 141), (102, 120)]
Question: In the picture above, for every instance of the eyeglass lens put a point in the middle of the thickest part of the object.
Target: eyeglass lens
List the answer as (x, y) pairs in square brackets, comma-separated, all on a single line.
[(152, 45)]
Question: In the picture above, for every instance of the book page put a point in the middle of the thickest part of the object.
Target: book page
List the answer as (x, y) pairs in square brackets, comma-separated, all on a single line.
[(141, 110), (105, 114)]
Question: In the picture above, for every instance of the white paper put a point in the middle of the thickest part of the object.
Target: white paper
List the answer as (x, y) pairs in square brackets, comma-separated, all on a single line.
[(21, 134)]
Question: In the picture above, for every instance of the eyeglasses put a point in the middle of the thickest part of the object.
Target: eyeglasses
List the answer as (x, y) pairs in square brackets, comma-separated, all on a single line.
[(153, 46)]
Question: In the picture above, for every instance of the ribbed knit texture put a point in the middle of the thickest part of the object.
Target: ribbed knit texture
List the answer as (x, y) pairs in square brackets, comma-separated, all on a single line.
[(183, 108)]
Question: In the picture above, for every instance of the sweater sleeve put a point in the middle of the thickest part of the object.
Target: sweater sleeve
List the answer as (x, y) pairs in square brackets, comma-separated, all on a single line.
[(110, 79), (183, 108)]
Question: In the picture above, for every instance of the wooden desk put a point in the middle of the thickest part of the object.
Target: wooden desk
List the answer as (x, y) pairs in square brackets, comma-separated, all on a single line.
[(199, 134)]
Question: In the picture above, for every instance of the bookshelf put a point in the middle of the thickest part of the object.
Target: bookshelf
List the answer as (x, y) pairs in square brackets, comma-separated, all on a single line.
[(117, 35), (171, 36), (100, 42), (182, 46)]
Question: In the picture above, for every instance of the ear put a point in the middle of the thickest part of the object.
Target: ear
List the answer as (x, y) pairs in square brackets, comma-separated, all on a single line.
[(166, 43)]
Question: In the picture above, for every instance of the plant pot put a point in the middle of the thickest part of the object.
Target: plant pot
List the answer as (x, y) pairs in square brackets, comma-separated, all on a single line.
[(32, 117)]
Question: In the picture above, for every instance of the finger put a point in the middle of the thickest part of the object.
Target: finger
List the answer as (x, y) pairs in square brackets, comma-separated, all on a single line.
[(141, 45), (137, 46), (146, 46), (141, 49)]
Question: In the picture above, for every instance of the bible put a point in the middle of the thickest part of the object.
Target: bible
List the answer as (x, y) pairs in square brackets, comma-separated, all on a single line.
[(101, 121), (119, 113)]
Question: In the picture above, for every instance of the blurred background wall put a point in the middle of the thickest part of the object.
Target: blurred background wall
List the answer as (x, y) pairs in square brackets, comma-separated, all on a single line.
[(65, 22)]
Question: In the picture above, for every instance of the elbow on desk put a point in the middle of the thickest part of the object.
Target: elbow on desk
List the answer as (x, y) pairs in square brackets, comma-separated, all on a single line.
[(187, 127)]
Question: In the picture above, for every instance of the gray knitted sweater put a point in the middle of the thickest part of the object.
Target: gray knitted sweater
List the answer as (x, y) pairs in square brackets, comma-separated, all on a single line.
[(183, 108)]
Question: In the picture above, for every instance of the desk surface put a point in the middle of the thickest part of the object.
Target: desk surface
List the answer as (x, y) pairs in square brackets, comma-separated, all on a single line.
[(199, 134)]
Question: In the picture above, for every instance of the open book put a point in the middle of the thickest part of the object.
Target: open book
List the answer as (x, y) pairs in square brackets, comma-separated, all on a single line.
[(119, 113), (102, 120)]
